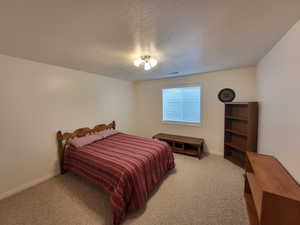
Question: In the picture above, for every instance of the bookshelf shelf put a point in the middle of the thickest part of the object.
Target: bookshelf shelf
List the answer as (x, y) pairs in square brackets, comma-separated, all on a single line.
[(236, 132), (235, 147), (236, 118)]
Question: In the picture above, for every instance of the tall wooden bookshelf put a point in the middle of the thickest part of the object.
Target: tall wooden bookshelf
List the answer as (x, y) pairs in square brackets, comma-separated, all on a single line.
[(240, 135)]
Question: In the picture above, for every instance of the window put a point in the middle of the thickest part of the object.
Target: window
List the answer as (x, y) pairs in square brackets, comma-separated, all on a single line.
[(181, 104)]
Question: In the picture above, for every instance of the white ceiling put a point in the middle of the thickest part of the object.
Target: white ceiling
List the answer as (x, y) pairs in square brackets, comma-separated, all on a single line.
[(104, 37)]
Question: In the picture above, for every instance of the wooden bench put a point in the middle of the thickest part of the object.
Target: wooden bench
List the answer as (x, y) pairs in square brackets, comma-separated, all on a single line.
[(182, 144)]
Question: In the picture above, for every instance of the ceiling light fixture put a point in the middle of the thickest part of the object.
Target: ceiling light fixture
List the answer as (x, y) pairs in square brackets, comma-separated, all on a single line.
[(147, 61)]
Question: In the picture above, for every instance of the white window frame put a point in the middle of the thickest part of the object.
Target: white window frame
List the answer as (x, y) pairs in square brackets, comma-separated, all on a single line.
[(182, 123)]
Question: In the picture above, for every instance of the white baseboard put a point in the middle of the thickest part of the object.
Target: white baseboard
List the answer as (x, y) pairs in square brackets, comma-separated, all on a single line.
[(26, 186), (216, 153)]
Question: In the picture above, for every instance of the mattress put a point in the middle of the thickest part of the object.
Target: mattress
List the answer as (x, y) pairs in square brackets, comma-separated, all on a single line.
[(127, 167)]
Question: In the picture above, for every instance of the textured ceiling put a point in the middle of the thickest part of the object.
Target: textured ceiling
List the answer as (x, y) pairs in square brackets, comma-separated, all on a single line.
[(104, 37)]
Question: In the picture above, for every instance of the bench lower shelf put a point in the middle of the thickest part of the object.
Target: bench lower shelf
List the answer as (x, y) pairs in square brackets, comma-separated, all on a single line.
[(185, 151)]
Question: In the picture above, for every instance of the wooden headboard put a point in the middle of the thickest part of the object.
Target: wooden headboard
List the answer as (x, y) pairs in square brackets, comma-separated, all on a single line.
[(62, 138)]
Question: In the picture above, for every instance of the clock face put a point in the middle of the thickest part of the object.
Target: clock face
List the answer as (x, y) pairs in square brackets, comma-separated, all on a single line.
[(226, 95)]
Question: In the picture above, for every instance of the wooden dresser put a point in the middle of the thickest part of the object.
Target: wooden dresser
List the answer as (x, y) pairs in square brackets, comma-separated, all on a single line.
[(182, 144), (272, 195)]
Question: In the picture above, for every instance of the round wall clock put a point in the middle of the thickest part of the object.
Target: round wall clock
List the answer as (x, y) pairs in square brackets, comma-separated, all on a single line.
[(226, 95)]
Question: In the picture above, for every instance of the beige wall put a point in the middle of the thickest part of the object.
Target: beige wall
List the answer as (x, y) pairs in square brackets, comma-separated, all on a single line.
[(39, 99), (212, 125), (278, 83)]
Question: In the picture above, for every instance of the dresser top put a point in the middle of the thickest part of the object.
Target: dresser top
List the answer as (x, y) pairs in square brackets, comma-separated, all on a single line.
[(272, 176)]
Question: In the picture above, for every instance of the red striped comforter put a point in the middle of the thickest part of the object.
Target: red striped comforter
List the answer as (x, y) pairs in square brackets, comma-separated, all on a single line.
[(128, 167)]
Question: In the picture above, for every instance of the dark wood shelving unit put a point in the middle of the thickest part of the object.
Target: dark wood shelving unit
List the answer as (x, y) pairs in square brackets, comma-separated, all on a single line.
[(240, 134), (236, 118), (236, 132), (235, 147)]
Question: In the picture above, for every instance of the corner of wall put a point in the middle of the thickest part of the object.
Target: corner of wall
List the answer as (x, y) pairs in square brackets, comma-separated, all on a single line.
[(27, 185)]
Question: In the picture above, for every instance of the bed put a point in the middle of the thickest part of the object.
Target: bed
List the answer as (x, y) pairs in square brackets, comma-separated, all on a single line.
[(127, 167)]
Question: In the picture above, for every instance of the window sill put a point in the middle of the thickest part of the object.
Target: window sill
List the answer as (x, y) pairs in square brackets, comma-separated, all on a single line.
[(178, 123)]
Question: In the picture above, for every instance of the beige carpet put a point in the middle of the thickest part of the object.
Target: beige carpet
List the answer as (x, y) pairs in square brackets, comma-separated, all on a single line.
[(199, 192)]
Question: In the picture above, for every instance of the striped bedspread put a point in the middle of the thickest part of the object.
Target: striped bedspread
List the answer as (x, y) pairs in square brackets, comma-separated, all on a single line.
[(127, 167)]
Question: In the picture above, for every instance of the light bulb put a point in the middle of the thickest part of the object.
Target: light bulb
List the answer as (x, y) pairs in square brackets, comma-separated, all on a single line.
[(147, 66), (153, 62), (137, 62)]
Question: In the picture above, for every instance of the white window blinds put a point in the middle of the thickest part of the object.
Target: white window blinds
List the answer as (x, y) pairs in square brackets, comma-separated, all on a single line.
[(181, 104)]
